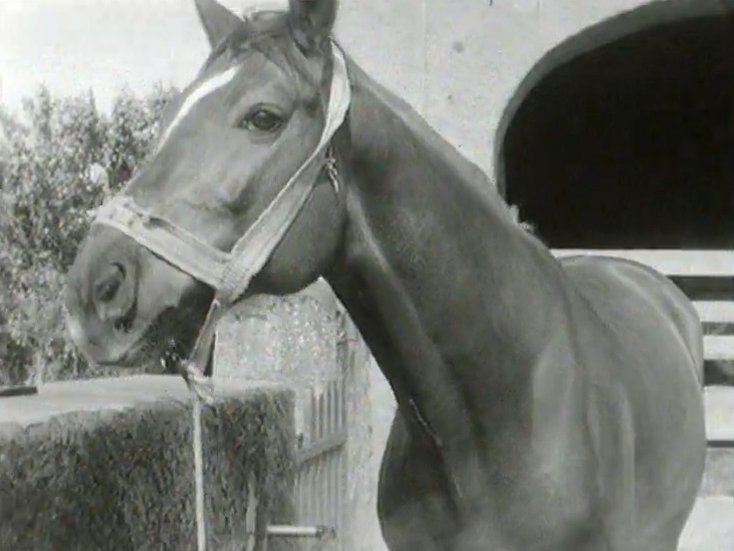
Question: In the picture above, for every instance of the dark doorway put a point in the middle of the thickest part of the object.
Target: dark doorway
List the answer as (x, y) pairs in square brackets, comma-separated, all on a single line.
[(623, 137)]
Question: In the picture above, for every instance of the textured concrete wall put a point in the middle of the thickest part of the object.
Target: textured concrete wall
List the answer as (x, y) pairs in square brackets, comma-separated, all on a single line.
[(292, 340), (108, 464), (361, 485), (476, 53)]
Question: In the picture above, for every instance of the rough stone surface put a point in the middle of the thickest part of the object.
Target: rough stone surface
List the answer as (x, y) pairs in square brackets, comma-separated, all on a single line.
[(361, 484), (108, 464), (291, 339)]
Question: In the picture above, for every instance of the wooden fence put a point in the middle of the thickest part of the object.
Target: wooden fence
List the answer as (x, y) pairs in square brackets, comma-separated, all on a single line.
[(319, 489), (321, 465)]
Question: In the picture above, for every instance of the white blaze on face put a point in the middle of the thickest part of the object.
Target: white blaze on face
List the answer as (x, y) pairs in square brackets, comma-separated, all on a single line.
[(195, 96)]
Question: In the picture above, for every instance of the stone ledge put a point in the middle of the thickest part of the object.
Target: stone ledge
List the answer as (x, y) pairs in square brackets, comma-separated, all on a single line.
[(110, 394), (107, 464)]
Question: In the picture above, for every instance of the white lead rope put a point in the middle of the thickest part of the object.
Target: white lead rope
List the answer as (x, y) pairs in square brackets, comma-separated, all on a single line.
[(199, 476)]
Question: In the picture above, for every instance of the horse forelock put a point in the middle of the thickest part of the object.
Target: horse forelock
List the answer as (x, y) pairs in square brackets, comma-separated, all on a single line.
[(268, 33), (264, 32)]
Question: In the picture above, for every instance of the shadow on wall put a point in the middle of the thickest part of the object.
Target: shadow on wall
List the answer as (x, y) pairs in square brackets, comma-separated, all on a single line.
[(623, 136)]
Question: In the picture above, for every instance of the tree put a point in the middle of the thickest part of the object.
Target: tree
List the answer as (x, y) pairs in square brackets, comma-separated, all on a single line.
[(51, 185)]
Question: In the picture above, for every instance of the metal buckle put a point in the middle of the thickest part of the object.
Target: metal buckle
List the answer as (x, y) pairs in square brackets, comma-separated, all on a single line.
[(192, 369), (199, 384), (331, 170)]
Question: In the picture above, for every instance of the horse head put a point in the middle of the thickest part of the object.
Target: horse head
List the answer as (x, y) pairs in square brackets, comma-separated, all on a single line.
[(248, 126)]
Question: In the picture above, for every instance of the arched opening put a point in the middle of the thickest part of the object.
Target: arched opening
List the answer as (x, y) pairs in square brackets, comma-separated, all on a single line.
[(623, 136)]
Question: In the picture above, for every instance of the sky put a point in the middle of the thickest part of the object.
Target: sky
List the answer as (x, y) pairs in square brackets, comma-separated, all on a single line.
[(75, 45), (457, 67)]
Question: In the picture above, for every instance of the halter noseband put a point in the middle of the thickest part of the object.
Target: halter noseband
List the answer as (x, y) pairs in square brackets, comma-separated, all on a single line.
[(230, 273)]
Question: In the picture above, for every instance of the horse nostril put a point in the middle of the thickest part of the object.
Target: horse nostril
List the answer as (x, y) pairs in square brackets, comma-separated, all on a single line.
[(109, 283)]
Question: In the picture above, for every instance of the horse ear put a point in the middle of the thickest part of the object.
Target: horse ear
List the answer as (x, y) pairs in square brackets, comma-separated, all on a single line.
[(312, 21), (218, 21)]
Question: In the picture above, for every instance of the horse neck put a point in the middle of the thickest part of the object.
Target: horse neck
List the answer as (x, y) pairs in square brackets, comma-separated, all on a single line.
[(455, 300)]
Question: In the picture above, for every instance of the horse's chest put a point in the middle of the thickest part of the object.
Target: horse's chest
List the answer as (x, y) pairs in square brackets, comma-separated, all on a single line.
[(544, 506)]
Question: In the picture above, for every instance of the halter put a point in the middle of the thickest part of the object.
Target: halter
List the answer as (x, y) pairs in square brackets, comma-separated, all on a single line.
[(230, 273)]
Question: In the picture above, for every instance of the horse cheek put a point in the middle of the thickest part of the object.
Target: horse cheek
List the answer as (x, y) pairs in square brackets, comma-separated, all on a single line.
[(307, 249)]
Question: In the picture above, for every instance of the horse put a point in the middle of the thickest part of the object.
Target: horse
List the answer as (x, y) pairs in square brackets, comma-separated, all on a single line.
[(544, 404)]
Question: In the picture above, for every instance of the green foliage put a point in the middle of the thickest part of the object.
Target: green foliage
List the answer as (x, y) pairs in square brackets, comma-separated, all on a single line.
[(60, 167)]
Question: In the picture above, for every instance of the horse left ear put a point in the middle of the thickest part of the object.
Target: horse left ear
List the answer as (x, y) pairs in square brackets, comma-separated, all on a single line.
[(312, 21), (218, 21)]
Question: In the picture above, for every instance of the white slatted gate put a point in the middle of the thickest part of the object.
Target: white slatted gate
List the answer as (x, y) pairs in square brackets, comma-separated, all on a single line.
[(321, 465), (319, 486), (321, 478)]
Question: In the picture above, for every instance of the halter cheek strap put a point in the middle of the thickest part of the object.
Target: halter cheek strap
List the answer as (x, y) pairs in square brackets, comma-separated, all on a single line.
[(230, 273)]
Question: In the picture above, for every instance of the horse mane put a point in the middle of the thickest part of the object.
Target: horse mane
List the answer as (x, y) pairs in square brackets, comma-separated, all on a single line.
[(267, 32), (514, 212)]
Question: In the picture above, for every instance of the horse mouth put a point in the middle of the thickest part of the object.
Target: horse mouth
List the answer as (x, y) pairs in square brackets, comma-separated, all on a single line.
[(155, 348), (150, 357)]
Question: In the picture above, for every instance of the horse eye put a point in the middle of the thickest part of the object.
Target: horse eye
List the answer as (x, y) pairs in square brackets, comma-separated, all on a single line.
[(263, 121)]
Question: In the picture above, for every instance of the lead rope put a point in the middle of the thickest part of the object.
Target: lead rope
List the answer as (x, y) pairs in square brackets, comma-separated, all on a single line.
[(199, 475)]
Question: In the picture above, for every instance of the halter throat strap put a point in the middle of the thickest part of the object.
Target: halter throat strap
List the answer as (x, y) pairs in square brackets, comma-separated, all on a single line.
[(230, 273)]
